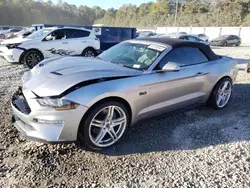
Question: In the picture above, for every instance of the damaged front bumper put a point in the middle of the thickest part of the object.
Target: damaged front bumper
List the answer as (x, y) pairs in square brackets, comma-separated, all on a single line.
[(44, 124)]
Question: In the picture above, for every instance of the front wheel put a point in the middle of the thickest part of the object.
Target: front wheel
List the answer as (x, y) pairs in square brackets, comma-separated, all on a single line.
[(221, 94), (32, 58), (237, 44), (104, 125), (224, 43)]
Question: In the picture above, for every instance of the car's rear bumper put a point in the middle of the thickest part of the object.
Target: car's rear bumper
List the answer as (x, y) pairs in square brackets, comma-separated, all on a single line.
[(54, 126)]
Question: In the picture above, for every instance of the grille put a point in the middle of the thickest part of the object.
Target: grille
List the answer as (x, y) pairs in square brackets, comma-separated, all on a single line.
[(19, 101)]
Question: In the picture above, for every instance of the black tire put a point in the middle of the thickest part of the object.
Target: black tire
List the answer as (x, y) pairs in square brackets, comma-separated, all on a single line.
[(237, 44), (224, 43), (248, 70), (83, 131), (213, 96), (32, 58), (89, 52)]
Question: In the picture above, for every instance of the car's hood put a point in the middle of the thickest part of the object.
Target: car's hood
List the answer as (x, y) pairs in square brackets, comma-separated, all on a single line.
[(54, 76), (14, 41)]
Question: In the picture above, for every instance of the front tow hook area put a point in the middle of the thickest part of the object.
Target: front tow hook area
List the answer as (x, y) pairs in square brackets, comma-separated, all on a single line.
[(13, 119)]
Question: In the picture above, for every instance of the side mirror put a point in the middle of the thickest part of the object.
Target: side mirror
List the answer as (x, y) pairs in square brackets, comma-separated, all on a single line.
[(171, 67), (49, 37)]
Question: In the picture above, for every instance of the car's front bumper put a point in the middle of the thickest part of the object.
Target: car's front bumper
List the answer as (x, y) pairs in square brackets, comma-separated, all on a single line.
[(57, 126), (11, 55)]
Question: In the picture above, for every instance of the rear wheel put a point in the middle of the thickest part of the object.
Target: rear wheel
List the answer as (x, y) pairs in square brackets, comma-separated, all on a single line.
[(248, 69), (89, 52), (32, 58), (237, 44), (221, 94), (105, 125)]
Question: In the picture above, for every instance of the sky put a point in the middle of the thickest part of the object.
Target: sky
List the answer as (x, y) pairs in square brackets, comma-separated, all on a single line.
[(105, 4)]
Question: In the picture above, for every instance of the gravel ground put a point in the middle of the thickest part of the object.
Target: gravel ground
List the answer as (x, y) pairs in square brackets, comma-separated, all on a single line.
[(198, 148)]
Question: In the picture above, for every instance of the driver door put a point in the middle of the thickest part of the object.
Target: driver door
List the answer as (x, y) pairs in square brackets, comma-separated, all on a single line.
[(231, 40), (55, 44), (170, 91)]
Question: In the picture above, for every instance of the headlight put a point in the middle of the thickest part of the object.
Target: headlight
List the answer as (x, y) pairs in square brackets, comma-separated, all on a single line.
[(57, 104), (11, 46)]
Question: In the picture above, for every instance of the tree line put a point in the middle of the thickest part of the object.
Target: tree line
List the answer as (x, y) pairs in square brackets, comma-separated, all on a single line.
[(151, 14)]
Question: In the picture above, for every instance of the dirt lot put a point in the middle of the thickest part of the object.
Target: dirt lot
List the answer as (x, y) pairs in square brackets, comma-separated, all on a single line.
[(198, 148)]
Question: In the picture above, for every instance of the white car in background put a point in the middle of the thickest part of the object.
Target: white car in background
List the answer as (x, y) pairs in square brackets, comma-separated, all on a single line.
[(203, 37), (22, 34), (50, 42), (8, 33)]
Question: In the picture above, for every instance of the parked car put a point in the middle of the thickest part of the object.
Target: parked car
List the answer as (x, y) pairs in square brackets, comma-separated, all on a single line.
[(95, 100), (12, 32), (192, 38), (22, 34), (4, 28), (176, 33), (109, 36), (50, 42), (226, 40), (203, 37), (145, 34), (182, 33)]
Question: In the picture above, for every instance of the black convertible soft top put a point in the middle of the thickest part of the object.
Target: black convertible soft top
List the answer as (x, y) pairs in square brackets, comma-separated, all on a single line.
[(177, 43)]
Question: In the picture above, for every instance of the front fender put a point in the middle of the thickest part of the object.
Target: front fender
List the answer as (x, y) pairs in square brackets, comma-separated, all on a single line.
[(128, 91)]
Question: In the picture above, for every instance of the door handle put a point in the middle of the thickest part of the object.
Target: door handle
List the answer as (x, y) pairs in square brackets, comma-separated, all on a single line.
[(84, 41), (200, 73), (64, 42)]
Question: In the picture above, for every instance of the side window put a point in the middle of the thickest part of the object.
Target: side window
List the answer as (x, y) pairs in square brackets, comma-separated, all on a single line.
[(75, 33), (15, 30), (192, 39), (231, 37), (57, 35), (183, 56)]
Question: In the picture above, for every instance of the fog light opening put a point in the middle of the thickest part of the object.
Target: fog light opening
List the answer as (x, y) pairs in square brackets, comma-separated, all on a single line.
[(45, 121)]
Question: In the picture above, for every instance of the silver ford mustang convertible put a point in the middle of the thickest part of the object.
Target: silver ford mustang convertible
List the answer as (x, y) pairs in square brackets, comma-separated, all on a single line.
[(96, 99)]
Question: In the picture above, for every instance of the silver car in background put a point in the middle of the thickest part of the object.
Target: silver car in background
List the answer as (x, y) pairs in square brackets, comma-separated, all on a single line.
[(95, 100), (188, 37)]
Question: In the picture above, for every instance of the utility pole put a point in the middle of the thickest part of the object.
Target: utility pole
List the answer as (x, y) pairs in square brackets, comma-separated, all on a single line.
[(217, 19), (176, 11)]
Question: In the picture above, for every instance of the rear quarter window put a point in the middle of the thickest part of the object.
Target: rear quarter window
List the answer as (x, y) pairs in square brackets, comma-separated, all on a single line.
[(74, 33)]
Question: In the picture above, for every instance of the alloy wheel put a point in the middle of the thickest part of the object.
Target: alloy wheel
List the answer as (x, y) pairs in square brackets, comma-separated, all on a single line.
[(224, 94), (89, 53), (33, 59), (107, 126)]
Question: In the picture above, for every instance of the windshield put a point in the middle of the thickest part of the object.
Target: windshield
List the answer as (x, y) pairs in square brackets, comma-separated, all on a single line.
[(133, 55), (39, 33)]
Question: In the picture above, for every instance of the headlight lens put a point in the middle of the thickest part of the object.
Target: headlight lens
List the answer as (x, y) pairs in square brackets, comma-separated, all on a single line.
[(11, 46), (57, 104)]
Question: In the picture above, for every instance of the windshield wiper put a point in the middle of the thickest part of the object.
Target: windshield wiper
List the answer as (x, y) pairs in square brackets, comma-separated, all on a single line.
[(124, 65), (120, 64)]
